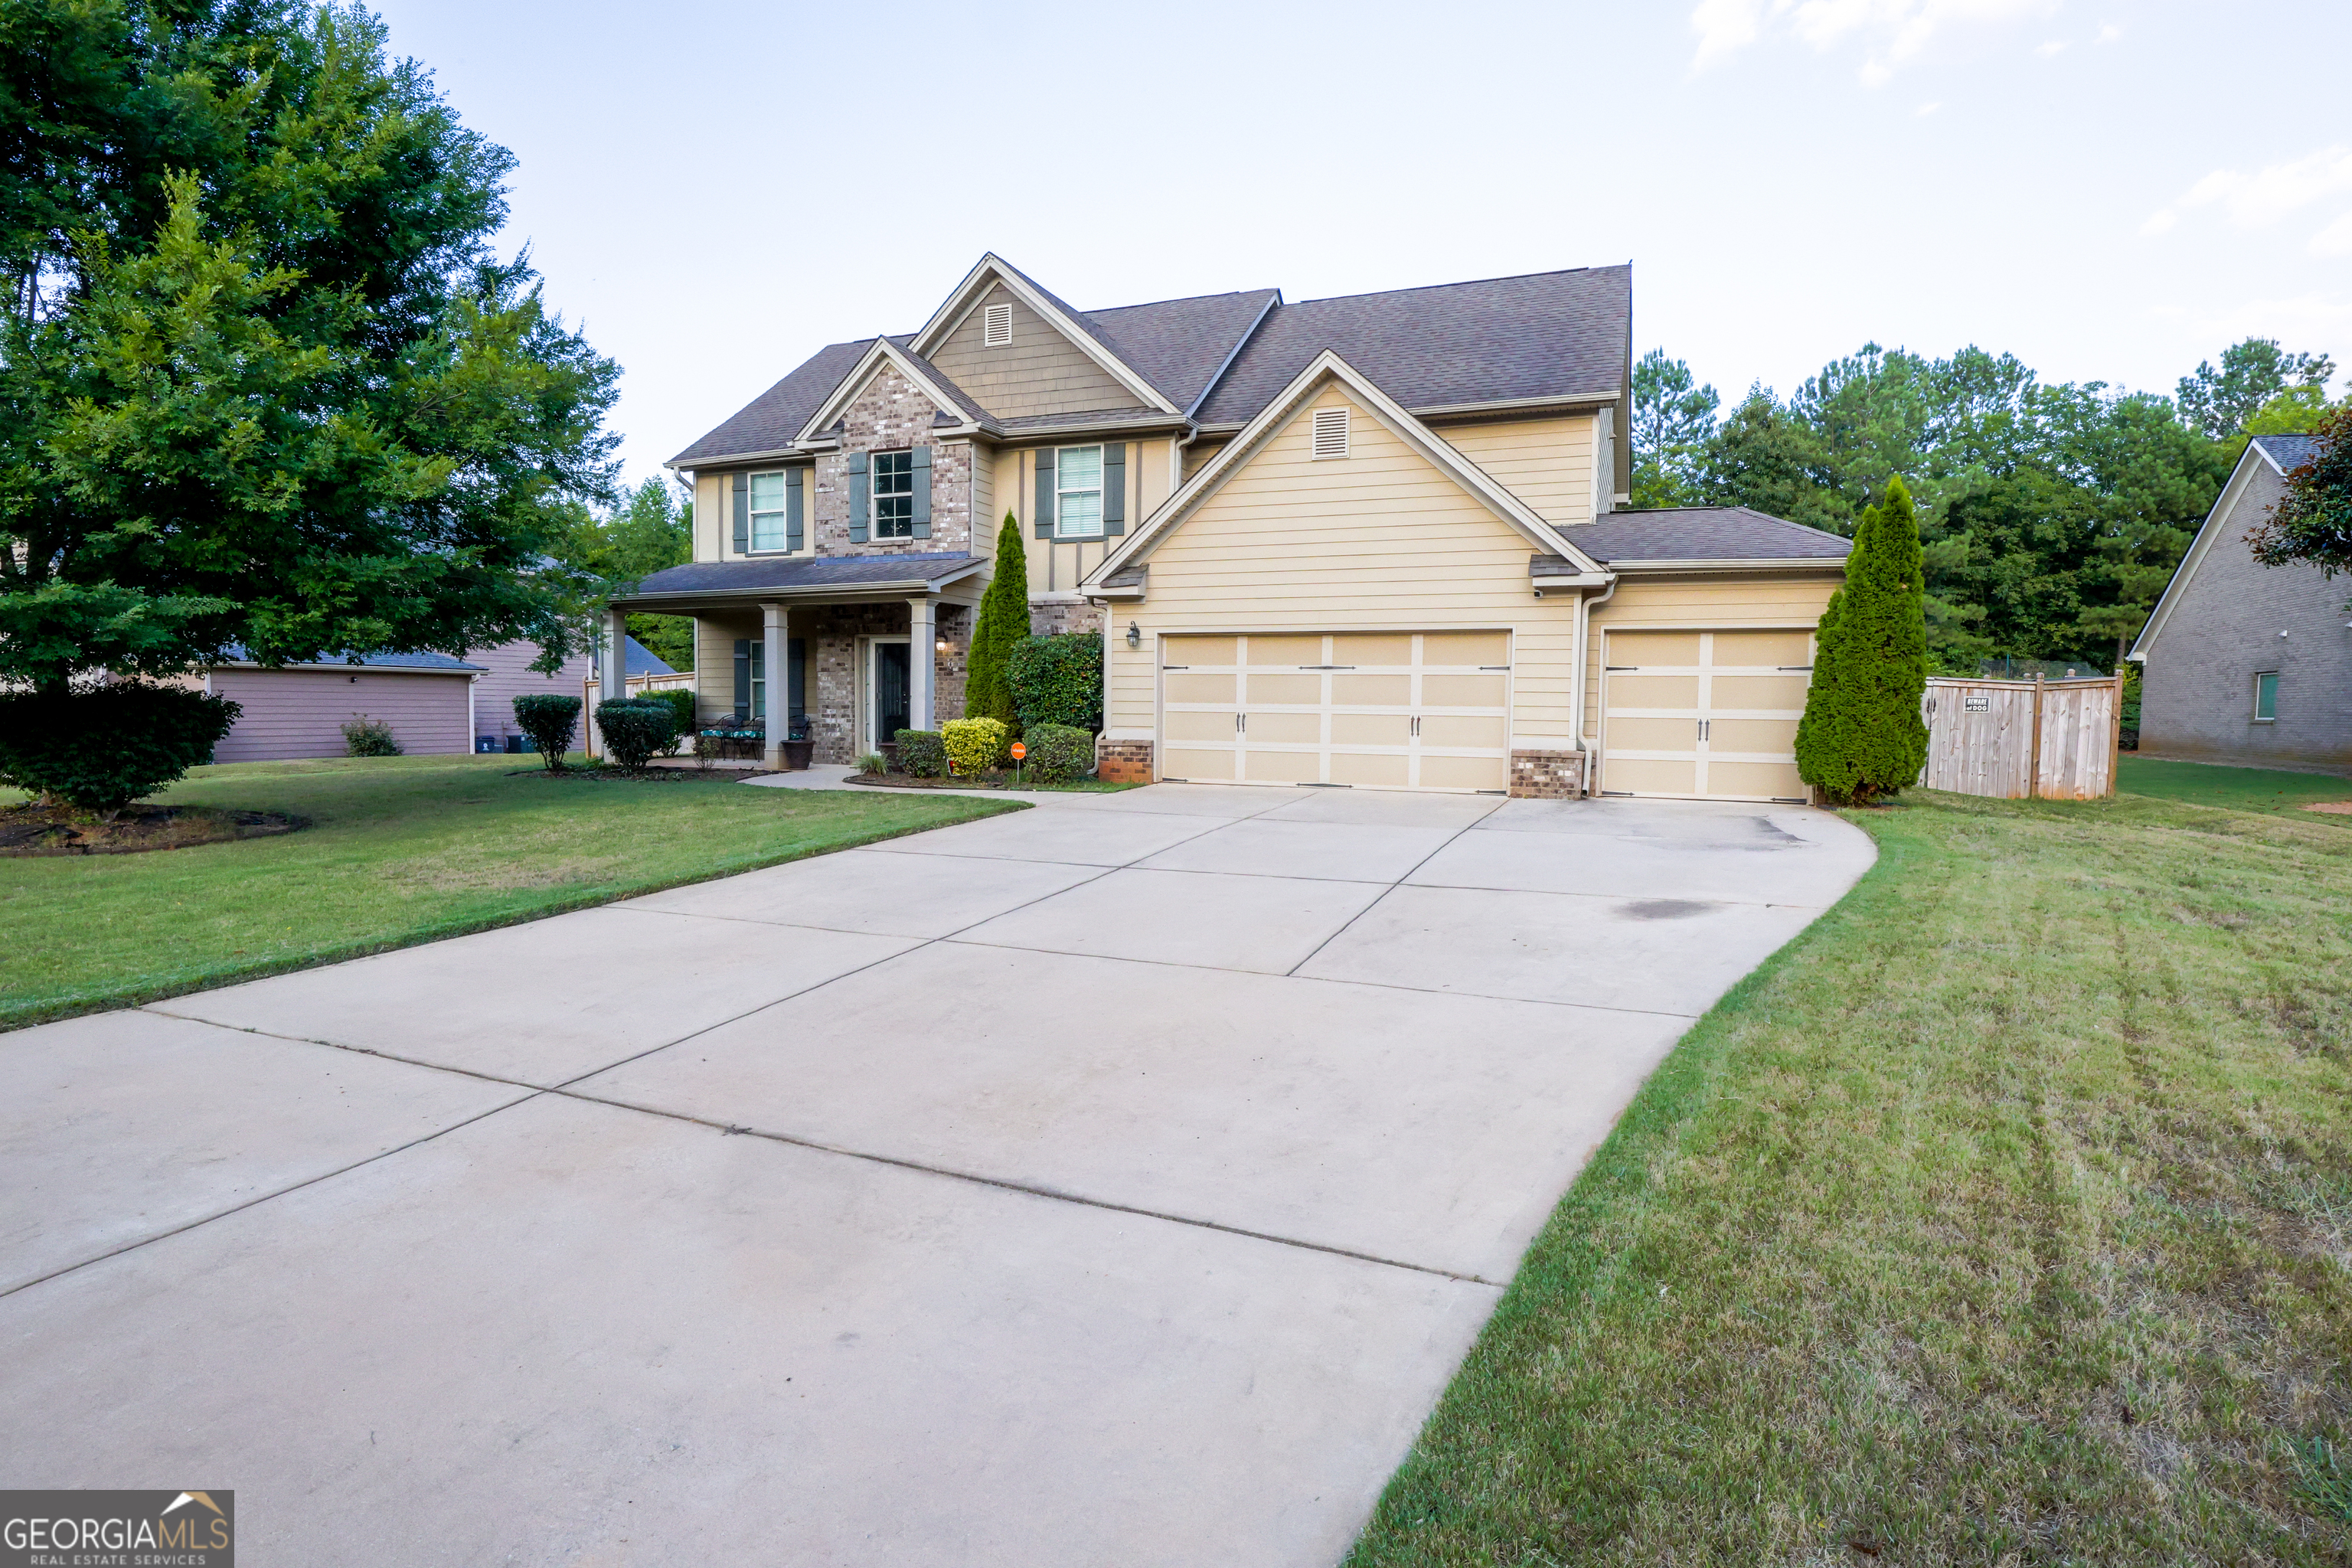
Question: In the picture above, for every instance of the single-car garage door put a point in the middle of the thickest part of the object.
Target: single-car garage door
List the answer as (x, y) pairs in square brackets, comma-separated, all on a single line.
[(1372, 709), (1705, 714)]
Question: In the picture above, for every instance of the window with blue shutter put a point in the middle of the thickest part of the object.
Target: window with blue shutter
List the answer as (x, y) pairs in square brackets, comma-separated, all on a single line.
[(1079, 492), (1114, 495), (921, 459), (1045, 518), (894, 495), (796, 507), (768, 513), (857, 499)]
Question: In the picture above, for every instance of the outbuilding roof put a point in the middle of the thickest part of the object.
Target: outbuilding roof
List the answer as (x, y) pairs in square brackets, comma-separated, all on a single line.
[(2289, 452), (436, 663)]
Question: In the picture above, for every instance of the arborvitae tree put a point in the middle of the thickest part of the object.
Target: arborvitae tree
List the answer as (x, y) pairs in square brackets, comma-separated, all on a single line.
[(1862, 735), (1004, 621)]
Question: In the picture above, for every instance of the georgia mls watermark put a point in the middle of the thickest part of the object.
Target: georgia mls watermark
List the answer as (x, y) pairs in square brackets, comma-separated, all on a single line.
[(117, 1530)]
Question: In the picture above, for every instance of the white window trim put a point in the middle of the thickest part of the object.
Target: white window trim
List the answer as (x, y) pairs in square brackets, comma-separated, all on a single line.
[(1330, 433), (1095, 489), (996, 325), (781, 513), (874, 493), (2272, 677)]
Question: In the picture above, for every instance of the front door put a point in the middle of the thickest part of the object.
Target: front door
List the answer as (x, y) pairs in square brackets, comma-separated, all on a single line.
[(892, 695)]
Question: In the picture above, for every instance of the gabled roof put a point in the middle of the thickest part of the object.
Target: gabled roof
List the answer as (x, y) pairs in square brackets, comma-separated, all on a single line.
[(1700, 534), (993, 270), (879, 351), (765, 427), (1326, 368), (2279, 454), (1547, 337), (1181, 344)]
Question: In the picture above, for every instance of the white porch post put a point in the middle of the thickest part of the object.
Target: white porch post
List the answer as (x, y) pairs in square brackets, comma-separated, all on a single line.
[(776, 714), (613, 672), (922, 632)]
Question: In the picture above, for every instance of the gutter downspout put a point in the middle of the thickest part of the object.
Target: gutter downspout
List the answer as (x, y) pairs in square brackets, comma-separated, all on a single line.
[(1584, 608)]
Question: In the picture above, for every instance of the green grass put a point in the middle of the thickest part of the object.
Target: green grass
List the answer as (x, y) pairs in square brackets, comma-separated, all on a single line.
[(401, 850), (2005, 1217), (2240, 789)]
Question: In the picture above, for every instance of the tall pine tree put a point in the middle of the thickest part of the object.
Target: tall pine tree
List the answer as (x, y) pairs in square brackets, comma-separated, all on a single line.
[(1004, 621), (1862, 735)]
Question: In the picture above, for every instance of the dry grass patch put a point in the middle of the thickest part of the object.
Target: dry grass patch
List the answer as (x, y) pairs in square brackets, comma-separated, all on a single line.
[(2003, 1218)]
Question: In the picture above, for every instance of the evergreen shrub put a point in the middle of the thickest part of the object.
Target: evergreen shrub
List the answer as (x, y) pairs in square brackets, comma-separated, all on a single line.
[(1057, 679), (975, 746), (921, 753), (366, 737), (1059, 752), (550, 721), (1003, 621), (634, 728), (100, 750), (1862, 735)]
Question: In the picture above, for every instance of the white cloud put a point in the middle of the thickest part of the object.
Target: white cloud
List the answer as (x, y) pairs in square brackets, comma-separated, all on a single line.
[(2272, 192), (2109, 33), (1893, 32), (2318, 316), (2158, 221), (2053, 47), (2335, 239)]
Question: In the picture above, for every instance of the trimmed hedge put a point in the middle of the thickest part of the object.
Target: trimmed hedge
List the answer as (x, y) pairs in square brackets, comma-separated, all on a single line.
[(681, 702), (921, 753), (550, 721), (634, 728), (100, 750), (1057, 679), (975, 746), (1059, 752)]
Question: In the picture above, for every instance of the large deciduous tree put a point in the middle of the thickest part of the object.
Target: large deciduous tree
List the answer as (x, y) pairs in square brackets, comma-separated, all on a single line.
[(1862, 736), (263, 382), (2312, 523)]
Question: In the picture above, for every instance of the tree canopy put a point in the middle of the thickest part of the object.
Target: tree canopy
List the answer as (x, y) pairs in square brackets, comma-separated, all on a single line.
[(263, 381), (2312, 523), (650, 530)]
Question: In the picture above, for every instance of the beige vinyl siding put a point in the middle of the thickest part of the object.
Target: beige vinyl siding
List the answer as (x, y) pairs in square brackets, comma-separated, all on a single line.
[(1197, 456), (1547, 463), (1039, 372), (292, 713), (984, 514), (1747, 599), (1381, 540), (714, 662), (710, 519)]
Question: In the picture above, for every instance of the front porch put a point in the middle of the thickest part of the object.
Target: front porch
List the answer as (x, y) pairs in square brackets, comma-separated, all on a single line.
[(865, 647)]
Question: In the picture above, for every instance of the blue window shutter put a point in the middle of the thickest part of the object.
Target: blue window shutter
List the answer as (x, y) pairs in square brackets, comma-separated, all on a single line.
[(742, 678), (858, 503), (742, 514), (1046, 492), (1114, 487), (796, 693), (795, 490), (921, 461)]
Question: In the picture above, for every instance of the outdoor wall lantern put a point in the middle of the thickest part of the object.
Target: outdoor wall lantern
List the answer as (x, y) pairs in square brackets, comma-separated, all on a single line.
[(946, 647), (1134, 634)]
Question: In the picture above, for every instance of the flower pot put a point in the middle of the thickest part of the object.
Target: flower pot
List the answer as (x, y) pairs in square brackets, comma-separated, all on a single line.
[(797, 754)]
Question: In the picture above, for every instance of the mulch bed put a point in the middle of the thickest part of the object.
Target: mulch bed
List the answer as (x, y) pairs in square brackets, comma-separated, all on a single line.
[(34, 829)]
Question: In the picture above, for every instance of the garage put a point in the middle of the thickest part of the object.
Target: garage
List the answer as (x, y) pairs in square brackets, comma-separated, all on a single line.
[(1703, 714), (1427, 710)]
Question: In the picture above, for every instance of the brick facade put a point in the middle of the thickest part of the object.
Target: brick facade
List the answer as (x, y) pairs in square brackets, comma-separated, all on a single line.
[(833, 701), (1122, 762), (888, 415), (1547, 775), (1050, 615)]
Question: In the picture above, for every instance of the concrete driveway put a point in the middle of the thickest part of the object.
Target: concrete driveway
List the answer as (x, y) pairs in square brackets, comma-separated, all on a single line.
[(1115, 1182)]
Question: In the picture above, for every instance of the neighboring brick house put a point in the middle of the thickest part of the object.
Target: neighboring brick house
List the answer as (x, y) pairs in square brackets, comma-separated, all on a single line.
[(2242, 662), (1368, 541)]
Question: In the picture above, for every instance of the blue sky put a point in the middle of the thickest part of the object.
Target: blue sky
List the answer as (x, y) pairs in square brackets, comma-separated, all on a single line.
[(2111, 191)]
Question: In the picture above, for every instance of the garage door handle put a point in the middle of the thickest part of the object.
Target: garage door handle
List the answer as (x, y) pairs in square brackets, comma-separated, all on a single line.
[(1240, 723), (1701, 729), (1416, 726)]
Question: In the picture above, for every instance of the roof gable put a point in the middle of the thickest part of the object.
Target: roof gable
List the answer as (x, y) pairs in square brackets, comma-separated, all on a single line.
[(993, 270), (2251, 461), (948, 397)]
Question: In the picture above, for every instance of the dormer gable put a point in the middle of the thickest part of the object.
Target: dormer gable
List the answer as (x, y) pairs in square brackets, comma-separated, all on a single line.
[(1021, 351)]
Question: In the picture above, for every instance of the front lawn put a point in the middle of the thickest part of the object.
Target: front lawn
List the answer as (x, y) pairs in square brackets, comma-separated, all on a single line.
[(401, 849), (2004, 1217), (2240, 789)]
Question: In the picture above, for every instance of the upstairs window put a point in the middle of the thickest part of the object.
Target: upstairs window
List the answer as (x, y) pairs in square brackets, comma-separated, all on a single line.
[(768, 517), (1331, 433), (1079, 492), (2266, 698), (996, 326), (894, 495)]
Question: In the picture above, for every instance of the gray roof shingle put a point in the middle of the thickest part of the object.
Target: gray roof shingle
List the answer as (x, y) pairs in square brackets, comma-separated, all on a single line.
[(1547, 335), (1178, 344), (1697, 533), (806, 573), (439, 663), (2289, 452)]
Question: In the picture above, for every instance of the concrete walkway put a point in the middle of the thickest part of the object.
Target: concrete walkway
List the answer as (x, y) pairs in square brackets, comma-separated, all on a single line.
[(1113, 1183)]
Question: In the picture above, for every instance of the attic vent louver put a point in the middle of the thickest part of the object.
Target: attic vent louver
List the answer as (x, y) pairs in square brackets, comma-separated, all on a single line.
[(996, 326), (1331, 433)]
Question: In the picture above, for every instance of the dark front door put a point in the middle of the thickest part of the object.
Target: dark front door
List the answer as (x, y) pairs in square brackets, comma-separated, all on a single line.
[(891, 702)]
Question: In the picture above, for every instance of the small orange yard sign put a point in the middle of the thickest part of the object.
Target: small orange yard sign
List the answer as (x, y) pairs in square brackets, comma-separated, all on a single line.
[(1019, 750)]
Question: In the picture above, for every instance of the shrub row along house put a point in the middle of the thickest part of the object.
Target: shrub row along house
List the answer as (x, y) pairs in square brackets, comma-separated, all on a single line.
[(1369, 540)]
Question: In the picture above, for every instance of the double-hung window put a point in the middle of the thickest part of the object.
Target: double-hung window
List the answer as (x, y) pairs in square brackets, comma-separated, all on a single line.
[(1079, 492), (894, 495), (768, 517), (2266, 697)]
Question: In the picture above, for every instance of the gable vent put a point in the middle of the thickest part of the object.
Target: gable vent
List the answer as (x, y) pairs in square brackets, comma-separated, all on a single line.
[(996, 326), (1331, 433)]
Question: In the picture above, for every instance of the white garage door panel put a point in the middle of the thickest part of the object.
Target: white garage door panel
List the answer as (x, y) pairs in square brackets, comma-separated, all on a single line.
[(1366, 709), (1703, 714)]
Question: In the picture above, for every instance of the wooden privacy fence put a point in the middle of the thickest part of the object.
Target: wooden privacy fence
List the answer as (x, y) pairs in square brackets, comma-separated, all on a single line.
[(2016, 740)]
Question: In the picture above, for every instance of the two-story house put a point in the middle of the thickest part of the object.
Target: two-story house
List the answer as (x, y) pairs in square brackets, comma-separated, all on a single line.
[(1367, 542)]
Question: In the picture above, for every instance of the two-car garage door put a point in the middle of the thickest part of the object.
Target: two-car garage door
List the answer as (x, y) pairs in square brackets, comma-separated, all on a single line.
[(1375, 709), (1703, 714)]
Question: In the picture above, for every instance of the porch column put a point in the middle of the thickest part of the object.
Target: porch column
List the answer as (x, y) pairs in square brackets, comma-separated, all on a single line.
[(612, 673), (922, 633), (777, 713)]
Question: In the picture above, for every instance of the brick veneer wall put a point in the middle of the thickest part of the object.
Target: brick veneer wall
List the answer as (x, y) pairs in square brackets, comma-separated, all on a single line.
[(1064, 615), (950, 669), (833, 636), (888, 415), (1547, 775), (1123, 762)]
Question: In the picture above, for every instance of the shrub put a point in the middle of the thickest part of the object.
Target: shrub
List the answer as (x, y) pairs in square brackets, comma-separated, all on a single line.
[(1862, 735), (100, 750), (1002, 622), (874, 763), (974, 745), (635, 729), (550, 721), (1059, 752), (1057, 681), (682, 702), (366, 737), (921, 753)]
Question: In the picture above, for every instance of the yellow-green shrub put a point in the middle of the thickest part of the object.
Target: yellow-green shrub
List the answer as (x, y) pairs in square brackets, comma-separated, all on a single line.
[(974, 745)]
